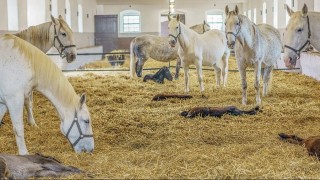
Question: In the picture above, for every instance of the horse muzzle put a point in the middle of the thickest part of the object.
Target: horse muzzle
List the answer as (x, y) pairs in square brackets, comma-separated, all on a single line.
[(172, 43), (231, 45), (290, 62), (71, 57)]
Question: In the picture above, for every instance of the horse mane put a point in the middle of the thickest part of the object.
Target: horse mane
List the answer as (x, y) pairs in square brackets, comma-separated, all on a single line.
[(39, 35), (46, 74)]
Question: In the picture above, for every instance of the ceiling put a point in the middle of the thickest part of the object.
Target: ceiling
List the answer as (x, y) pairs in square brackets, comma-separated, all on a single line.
[(163, 2)]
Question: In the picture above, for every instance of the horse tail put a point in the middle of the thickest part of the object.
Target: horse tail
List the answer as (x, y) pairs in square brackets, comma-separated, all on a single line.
[(291, 138), (225, 59), (132, 59)]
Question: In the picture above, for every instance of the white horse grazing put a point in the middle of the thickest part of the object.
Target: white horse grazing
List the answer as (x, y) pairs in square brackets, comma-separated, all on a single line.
[(149, 46), (45, 36), (257, 46), (302, 30), (208, 49), (23, 68)]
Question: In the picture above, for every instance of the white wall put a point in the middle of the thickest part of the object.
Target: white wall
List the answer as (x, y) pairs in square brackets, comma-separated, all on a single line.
[(150, 13)]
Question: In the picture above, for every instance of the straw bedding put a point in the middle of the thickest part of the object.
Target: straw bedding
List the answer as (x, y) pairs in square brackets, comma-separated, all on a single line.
[(139, 138)]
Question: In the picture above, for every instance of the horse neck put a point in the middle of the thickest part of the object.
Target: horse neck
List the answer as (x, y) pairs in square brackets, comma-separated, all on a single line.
[(314, 19), (40, 36), (185, 36), (249, 33), (58, 90)]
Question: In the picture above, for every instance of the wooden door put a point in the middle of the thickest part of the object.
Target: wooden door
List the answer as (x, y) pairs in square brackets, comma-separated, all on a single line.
[(106, 31)]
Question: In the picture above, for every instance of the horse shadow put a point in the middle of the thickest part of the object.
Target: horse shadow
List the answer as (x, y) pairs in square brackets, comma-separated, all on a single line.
[(159, 76)]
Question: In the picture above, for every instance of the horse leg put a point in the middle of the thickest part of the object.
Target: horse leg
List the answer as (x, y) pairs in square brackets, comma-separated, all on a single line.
[(3, 110), (224, 72), (178, 65), (243, 76), (15, 106), (267, 80), (217, 71), (257, 73), (28, 102), (186, 78), (200, 76)]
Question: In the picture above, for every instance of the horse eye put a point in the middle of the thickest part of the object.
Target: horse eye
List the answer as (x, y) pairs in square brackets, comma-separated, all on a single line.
[(176, 27), (86, 121), (300, 30), (64, 34), (237, 24)]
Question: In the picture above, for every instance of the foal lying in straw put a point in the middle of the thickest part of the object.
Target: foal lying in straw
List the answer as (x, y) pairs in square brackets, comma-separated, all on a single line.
[(27, 166), (217, 111), (311, 143)]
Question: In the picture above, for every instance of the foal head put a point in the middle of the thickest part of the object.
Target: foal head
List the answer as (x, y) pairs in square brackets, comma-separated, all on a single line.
[(63, 39), (174, 30), (297, 35), (167, 73), (233, 26)]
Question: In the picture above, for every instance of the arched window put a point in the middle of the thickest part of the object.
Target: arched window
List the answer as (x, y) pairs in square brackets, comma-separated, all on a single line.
[(13, 23), (255, 15), (68, 13), (249, 14), (54, 8), (264, 12), (275, 13), (215, 19), (80, 18), (130, 21)]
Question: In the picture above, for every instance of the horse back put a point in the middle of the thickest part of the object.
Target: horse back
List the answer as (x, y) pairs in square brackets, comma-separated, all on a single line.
[(155, 47)]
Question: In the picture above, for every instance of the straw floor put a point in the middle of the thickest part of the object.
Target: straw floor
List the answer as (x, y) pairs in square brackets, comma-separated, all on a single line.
[(137, 138)]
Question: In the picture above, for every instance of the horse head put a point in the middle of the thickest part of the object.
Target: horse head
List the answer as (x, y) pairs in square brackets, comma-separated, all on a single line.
[(77, 128), (233, 26), (174, 30), (63, 39), (297, 36)]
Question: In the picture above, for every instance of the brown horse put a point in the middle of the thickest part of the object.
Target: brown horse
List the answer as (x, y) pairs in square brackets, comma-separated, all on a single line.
[(160, 97), (217, 111), (311, 143), (27, 166)]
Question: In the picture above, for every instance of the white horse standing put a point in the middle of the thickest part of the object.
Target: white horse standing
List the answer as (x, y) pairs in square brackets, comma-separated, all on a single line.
[(23, 68), (156, 47), (302, 30), (56, 34), (257, 46), (208, 49)]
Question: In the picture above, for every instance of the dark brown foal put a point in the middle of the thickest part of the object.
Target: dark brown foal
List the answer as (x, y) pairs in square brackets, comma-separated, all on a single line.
[(217, 111), (311, 143)]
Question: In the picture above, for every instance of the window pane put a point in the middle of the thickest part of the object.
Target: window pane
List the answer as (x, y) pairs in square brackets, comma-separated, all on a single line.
[(131, 23)]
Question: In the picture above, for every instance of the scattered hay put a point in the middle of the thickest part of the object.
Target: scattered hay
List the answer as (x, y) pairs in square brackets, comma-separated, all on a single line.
[(138, 138)]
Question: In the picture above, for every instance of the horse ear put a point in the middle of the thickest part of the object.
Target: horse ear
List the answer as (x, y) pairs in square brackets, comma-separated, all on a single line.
[(54, 20), (60, 17), (83, 99), (304, 10), (237, 10), (227, 10), (178, 17), (289, 10)]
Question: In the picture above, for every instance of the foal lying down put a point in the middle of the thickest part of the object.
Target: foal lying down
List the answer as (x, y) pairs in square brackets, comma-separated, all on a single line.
[(27, 166), (217, 111), (160, 97), (311, 143)]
